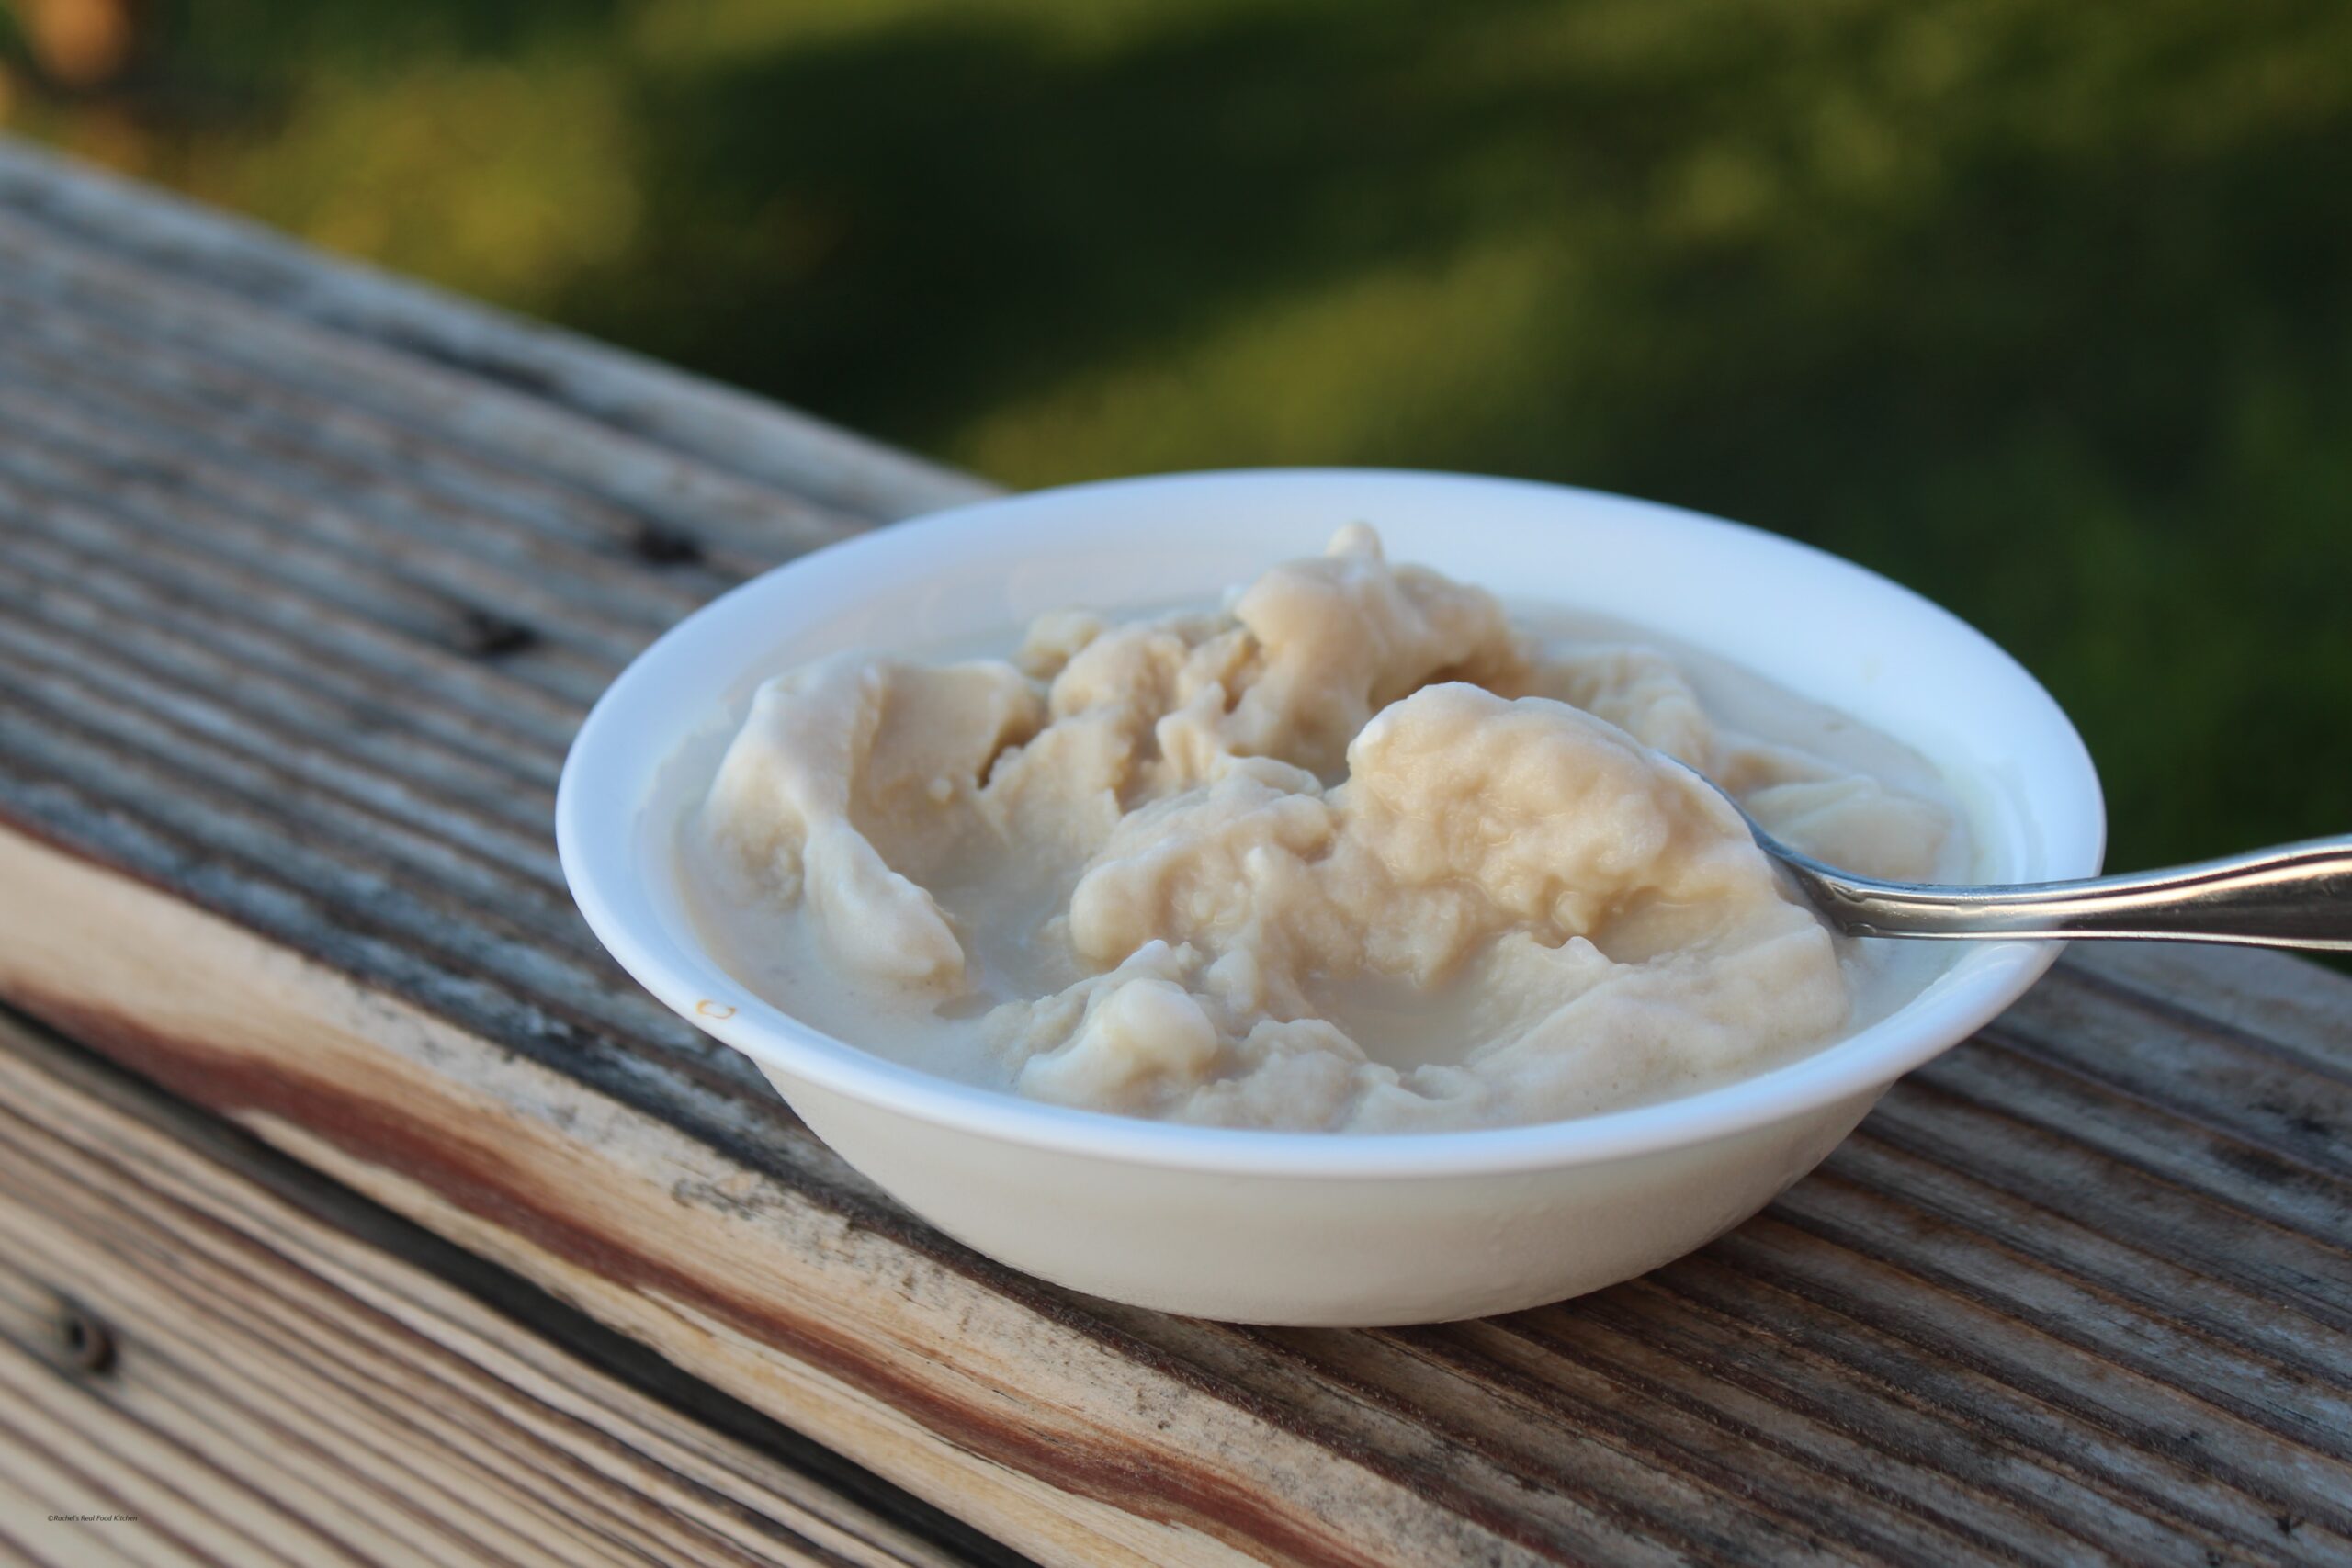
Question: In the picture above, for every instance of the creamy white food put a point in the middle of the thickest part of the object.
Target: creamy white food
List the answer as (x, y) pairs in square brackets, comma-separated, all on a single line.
[(1356, 852)]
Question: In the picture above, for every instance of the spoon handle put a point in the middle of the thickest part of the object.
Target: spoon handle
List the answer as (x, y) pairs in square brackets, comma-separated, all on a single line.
[(2293, 896)]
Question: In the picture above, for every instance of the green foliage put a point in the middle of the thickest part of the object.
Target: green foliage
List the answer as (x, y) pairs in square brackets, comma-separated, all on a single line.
[(2042, 308)]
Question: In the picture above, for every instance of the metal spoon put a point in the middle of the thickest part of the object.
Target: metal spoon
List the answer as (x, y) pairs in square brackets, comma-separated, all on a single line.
[(2292, 896)]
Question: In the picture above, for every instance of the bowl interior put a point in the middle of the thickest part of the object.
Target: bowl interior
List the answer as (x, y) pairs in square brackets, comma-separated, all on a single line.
[(1819, 626)]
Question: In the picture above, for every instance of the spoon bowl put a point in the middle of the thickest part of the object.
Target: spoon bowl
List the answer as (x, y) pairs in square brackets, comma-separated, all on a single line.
[(2295, 895)]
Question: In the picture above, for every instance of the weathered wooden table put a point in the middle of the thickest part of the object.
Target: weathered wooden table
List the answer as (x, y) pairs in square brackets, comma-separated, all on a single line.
[(355, 1208)]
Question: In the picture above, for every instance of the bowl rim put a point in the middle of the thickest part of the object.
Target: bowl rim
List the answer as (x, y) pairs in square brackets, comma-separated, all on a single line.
[(590, 827)]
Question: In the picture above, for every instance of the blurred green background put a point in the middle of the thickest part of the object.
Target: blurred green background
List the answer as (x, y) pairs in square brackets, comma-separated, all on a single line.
[(2043, 307)]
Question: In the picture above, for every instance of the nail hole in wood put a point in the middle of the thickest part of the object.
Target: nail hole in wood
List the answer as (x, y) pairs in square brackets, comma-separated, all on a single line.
[(486, 635), (658, 544), (87, 1344)]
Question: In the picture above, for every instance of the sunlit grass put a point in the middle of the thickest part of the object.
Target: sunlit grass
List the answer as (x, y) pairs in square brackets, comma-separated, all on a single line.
[(499, 180)]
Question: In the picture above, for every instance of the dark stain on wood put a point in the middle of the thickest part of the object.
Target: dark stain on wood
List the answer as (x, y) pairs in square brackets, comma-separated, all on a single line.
[(659, 543), (84, 1341), (506, 371), (2260, 1165), (482, 634)]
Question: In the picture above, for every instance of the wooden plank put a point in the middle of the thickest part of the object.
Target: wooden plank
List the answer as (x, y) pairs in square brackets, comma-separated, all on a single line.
[(256, 1363), (277, 735)]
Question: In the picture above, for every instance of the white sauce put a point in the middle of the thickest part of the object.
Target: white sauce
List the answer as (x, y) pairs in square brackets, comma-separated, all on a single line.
[(1285, 864)]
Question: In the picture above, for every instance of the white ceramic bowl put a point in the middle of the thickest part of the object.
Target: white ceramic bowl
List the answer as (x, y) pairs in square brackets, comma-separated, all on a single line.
[(1314, 1228)]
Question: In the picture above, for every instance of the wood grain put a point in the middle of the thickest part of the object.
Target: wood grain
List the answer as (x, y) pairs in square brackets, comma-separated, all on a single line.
[(259, 1367), (299, 604)]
